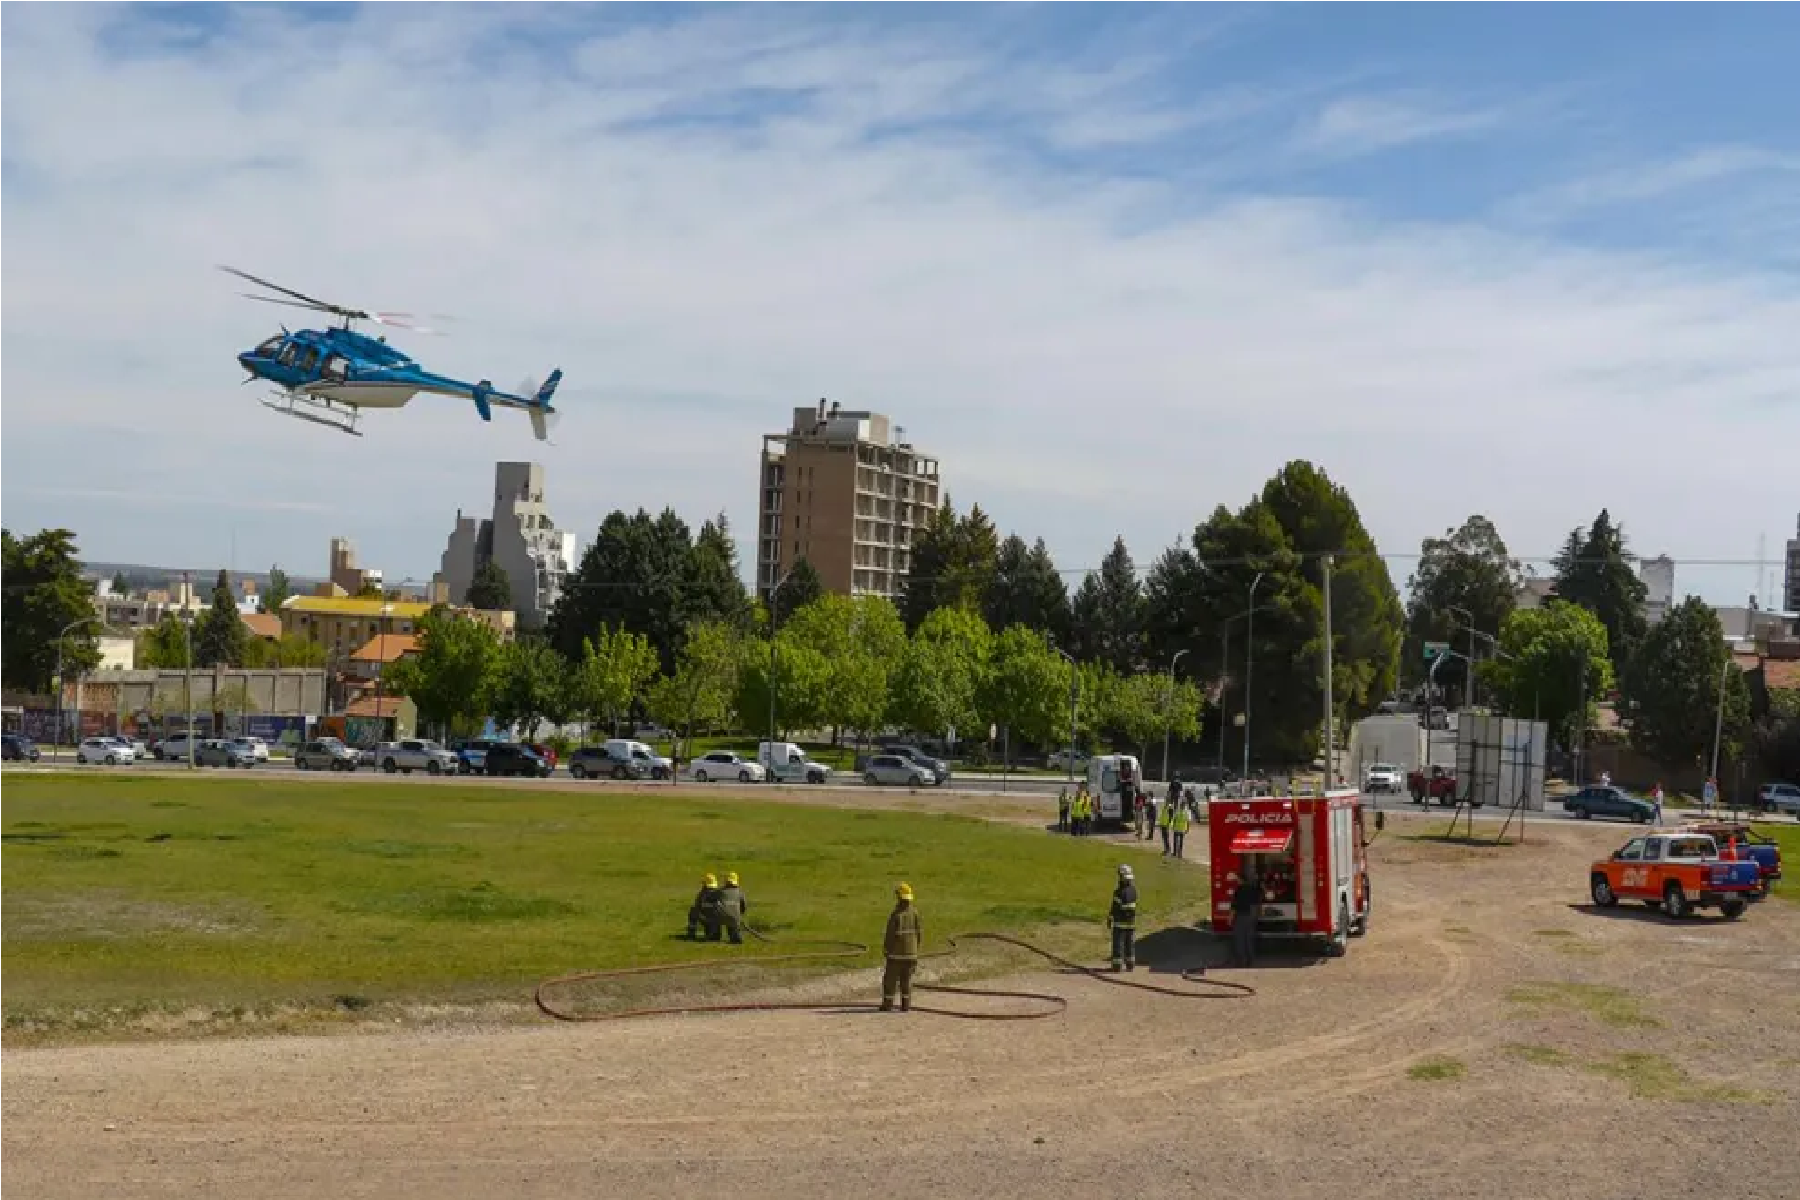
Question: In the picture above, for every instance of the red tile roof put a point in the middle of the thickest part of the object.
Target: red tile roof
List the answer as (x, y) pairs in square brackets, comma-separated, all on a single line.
[(386, 648), (263, 625), (1781, 675)]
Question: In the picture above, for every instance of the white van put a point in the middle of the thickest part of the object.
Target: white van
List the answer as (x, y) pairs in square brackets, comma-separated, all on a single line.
[(1107, 775), (787, 763), (654, 764)]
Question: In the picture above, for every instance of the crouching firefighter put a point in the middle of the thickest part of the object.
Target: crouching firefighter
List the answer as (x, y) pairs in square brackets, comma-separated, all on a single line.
[(731, 911), (1122, 920), (705, 909), (901, 949)]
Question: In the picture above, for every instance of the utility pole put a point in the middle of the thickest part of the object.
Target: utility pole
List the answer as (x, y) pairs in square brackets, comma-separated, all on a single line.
[(1169, 712), (1249, 663), (1224, 658), (1330, 730), (187, 670), (1074, 705), (1719, 719), (773, 591)]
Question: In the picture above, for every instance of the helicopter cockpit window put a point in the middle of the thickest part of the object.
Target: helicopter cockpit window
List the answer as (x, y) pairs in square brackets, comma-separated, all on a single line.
[(309, 358), (288, 355), (270, 348), (335, 365)]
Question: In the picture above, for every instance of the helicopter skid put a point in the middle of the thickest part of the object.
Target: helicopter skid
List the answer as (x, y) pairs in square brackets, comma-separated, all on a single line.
[(322, 411)]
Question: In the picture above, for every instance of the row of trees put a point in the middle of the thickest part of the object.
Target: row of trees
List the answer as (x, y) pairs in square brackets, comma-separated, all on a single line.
[(1673, 682)]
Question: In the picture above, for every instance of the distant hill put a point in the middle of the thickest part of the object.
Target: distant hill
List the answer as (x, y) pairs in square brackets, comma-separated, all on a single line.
[(139, 575)]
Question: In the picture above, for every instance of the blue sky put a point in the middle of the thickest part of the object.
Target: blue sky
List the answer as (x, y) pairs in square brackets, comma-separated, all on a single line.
[(1527, 261)]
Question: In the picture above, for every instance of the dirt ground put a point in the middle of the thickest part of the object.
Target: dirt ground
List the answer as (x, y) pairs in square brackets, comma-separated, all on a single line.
[(1491, 1037)]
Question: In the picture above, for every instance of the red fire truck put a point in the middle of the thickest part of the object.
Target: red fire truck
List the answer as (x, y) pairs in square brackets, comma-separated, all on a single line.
[(1310, 854)]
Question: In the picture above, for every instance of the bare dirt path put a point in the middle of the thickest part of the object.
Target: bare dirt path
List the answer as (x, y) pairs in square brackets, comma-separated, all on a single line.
[(1300, 1091)]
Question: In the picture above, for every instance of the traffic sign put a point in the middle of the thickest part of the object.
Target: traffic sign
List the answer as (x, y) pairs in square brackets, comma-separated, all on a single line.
[(1434, 649)]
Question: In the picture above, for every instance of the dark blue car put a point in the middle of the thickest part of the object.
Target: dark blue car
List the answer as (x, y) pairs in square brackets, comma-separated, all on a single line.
[(1604, 800), (19, 748)]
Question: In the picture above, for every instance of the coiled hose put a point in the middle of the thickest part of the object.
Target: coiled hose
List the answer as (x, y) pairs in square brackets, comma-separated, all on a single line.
[(1047, 1005)]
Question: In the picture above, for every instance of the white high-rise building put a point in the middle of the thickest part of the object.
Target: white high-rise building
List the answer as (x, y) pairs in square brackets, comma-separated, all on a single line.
[(520, 537), (1790, 594), (1658, 575)]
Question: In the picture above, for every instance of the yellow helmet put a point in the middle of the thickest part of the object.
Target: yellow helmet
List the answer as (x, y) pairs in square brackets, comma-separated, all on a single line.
[(731, 878), (903, 892), (709, 880)]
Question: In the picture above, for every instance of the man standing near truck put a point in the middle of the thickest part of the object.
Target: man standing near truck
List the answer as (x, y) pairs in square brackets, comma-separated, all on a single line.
[(1246, 904)]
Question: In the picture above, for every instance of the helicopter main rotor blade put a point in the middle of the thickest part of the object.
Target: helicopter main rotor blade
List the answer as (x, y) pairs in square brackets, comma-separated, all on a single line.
[(322, 305), (288, 303)]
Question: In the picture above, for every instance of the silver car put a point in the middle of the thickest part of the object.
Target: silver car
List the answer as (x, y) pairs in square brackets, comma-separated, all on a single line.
[(416, 754), (892, 769)]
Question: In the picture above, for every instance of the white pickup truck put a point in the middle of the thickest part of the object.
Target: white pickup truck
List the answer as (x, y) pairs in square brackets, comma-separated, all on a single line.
[(787, 763), (415, 754)]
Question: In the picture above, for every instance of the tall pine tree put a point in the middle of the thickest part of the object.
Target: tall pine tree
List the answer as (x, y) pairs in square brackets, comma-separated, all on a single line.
[(1596, 572), (1108, 614), (1027, 590), (220, 636)]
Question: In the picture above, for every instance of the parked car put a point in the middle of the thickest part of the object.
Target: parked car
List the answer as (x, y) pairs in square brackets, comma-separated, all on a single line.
[(653, 732), (138, 745), (1060, 761), (1605, 800), (219, 752), (471, 755), (1677, 872), (1779, 797), (893, 769), (1383, 777), (174, 748), (545, 751), (417, 754), (106, 750), (594, 762), (326, 754), (19, 748), (257, 747), (940, 770), (510, 758), (725, 764), (1439, 785), (654, 764)]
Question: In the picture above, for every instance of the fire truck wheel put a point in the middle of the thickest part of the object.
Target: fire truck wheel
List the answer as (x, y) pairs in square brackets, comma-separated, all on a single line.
[(1362, 924), (1340, 938)]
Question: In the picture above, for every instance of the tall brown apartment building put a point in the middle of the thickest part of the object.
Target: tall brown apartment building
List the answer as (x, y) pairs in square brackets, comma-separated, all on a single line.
[(843, 491)]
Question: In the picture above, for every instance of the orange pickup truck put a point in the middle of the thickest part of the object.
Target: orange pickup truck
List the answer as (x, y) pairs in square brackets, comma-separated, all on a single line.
[(1676, 871)]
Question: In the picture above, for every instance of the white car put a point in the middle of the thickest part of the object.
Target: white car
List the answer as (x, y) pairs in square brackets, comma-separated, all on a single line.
[(110, 751), (256, 747), (1383, 777), (723, 764), (1779, 797)]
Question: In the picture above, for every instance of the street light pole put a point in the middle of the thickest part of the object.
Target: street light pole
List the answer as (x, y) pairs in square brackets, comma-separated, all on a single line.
[(75, 624), (1469, 683), (1169, 712), (773, 592), (1249, 662), (1719, 721), (1330, 716), (1074, 706)]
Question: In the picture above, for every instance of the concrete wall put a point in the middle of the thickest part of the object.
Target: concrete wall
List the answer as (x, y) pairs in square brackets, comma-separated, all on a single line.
[(276, 691)]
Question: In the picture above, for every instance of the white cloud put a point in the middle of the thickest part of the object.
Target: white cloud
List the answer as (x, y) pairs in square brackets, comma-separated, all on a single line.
[(877, 234), (1656, 179), (1363, 124)]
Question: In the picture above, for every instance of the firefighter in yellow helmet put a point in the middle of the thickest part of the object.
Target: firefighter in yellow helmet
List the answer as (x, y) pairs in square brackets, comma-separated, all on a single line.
[(901, 948), (705, 908), (731, 910)]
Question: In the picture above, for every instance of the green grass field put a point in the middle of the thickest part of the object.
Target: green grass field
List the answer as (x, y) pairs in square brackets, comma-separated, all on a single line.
[(133, 895)]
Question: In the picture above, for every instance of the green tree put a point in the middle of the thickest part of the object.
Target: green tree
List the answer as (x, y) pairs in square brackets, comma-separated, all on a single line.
[(1548, 658), (928, 569), (529, 684), (799, 588), (277, 592), (937, 685), (1027, 590), (121, 586), (860, 640), (219, 635), (44, 594), (490, 590), (1318, 518), (702, 692), (163, 646), (1142, 707), (1468, 569), (1026, 689), (635, 576), (1107, 619), (615, 671), (451, 678), (1671, 687), (715, 590), (1596, 572), (801, 680)]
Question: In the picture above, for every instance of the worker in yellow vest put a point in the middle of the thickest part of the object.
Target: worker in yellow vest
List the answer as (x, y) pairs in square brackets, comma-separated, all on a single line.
[(1166, 817), (1179, 824)]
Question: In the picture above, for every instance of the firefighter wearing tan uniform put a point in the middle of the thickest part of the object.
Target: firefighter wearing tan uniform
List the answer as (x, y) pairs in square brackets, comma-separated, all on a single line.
[(901, 948)]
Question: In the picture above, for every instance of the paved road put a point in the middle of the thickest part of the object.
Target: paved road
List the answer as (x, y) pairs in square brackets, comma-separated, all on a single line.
[(972, 786)]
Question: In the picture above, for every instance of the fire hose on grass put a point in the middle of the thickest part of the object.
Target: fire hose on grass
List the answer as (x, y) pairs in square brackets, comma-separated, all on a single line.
[(1049, 1005)]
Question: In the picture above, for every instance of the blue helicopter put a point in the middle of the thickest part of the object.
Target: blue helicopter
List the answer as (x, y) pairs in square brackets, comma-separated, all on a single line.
[(328, 376)]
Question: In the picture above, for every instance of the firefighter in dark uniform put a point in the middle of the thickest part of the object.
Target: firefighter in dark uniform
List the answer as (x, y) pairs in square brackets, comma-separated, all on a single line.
[(705, 909), (1122, 920), (901, 949), (1246, 906), (732, 906)]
